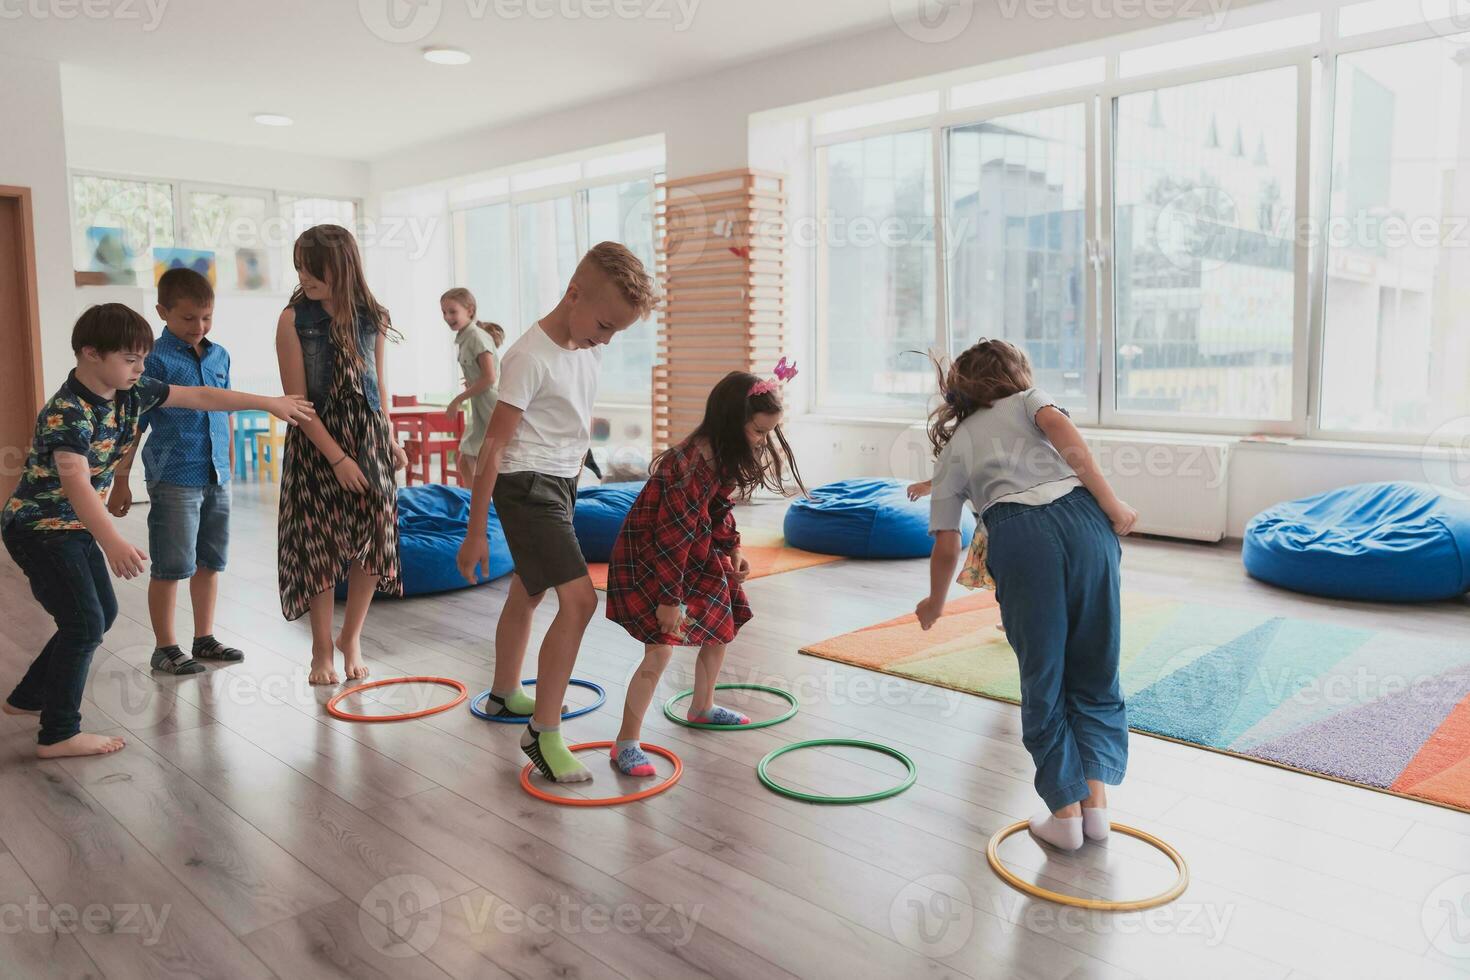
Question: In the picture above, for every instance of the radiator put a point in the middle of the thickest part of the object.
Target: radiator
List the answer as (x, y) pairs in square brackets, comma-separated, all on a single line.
[(1178, 483)]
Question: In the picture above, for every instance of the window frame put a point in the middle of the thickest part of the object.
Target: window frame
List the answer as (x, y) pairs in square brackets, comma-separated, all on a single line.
[(577, 190), (1316, 88)]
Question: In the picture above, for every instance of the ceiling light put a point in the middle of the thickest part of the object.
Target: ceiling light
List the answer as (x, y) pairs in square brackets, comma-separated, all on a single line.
[(273, 119), (446, 56)]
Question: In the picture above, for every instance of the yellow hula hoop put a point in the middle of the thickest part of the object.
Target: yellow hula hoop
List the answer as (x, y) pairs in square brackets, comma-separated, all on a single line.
[(992, 854)]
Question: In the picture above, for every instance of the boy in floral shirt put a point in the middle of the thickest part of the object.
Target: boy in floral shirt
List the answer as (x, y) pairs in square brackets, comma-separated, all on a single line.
[(56, 527)]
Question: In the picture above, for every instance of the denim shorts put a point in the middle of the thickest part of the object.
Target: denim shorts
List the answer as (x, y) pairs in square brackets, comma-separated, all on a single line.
[(188, 528)]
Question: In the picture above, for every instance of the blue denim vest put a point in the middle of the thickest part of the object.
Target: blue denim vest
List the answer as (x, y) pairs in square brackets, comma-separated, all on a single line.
[(314, 329)]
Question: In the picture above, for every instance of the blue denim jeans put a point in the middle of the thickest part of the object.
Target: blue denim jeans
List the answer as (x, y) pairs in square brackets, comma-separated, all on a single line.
[(188, 528), (1056, 574), (69, 578)]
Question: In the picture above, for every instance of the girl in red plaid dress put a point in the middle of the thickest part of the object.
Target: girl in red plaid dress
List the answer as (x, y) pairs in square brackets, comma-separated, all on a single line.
[(676, 574)]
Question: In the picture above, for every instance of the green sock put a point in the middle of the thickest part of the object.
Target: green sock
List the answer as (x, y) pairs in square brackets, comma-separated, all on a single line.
[(516, 702), (549, 753)]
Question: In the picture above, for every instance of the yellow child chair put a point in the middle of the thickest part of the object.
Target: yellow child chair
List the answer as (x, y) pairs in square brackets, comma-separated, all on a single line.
[(270, 445)]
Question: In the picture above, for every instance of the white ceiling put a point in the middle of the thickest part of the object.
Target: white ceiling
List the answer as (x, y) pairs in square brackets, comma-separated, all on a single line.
[(202, 68)]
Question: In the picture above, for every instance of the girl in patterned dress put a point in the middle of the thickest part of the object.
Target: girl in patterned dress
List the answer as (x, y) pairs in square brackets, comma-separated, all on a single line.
[(676, 574), (339, 493)]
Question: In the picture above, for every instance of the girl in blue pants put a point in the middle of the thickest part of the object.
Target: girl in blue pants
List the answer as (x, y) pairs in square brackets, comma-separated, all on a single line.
[(1052, 524)]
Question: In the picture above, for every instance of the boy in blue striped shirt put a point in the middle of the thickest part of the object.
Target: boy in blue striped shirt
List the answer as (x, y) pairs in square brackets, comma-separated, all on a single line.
[(187, 461)]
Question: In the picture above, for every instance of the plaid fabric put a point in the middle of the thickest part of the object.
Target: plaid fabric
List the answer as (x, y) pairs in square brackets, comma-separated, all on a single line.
[(187, 447), (675, 547)]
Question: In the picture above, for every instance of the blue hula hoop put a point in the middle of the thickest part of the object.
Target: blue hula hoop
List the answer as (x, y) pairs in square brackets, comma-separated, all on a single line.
[(479, 712)]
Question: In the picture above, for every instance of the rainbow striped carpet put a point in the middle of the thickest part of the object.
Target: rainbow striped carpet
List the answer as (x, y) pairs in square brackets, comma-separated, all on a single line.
[(1378, 709)]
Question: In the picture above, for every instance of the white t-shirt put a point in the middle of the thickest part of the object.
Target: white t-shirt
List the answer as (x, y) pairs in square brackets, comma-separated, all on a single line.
[(554, 388)]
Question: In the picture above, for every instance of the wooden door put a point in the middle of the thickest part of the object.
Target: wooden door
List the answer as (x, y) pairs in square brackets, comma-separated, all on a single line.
[(20, 335)]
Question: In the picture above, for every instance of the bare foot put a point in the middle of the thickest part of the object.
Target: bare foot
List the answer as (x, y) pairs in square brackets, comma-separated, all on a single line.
[(80, 744), (352, 660), (10, 709), (322, 671)]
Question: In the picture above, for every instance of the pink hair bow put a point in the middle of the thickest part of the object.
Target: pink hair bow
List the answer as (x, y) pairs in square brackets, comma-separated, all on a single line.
[(784, 372)]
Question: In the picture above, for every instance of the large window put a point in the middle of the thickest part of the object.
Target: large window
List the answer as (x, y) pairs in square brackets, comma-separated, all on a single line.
[(1264, 228), (1203, 224), (517, 255), (118, 222), (1396, 351), (623, 212), (1017, 232), (877, 294)]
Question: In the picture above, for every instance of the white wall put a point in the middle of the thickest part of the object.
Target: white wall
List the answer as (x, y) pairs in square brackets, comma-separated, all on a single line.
[(34, 156), (704, 119), (146, 155)]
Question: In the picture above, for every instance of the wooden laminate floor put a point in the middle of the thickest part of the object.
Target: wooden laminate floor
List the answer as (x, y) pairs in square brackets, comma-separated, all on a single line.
[(244, 832)]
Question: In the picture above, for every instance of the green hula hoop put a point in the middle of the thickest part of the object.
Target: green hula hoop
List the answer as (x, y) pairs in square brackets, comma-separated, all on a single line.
[(674, 716), (884, 794)]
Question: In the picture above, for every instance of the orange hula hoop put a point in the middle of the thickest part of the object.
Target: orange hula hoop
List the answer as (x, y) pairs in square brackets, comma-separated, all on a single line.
[(667, 784), (336, 712)]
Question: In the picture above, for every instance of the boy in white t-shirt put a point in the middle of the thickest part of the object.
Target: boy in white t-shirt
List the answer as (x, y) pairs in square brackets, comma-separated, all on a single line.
[(538, 437)]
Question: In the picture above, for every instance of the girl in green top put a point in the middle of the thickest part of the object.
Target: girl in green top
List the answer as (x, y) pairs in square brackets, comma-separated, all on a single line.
[(475, 342)]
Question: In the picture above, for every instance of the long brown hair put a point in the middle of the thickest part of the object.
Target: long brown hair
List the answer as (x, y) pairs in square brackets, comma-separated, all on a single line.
[(466, 299), (982, 375), (729, 407), (329, 252)]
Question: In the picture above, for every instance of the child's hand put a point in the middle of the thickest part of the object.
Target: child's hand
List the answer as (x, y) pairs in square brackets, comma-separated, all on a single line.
[(400, 458), (125, 560), (671, 620), (920, 489), (741, 567), (349, 474), (929, 612), (474, 554), (292, 408), (120, 500), (1122, 516)]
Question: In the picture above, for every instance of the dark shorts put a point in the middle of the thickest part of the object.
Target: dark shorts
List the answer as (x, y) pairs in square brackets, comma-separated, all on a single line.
[(535, 512), (188, 529)]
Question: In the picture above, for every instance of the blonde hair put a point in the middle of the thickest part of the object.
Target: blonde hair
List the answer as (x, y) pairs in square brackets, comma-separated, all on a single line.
[(625, 271), (329, 253), (466, 299)]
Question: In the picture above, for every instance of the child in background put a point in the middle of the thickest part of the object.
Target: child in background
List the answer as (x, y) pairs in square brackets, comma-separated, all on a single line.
[(676, 574), (56, 527), (339, 494), (188, 461), (533, 454), (476, 342), (1052, 523)]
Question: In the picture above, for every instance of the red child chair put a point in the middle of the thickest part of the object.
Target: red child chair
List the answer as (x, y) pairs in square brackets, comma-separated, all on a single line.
[(420, 450)]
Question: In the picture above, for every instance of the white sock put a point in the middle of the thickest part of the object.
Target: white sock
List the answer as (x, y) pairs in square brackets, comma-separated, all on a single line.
[(1064, 833), (1095, 823)]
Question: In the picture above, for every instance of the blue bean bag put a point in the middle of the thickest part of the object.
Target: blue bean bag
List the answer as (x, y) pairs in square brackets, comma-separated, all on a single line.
[(601, 510), (1386, 542), (431, 523), (864, 519)]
